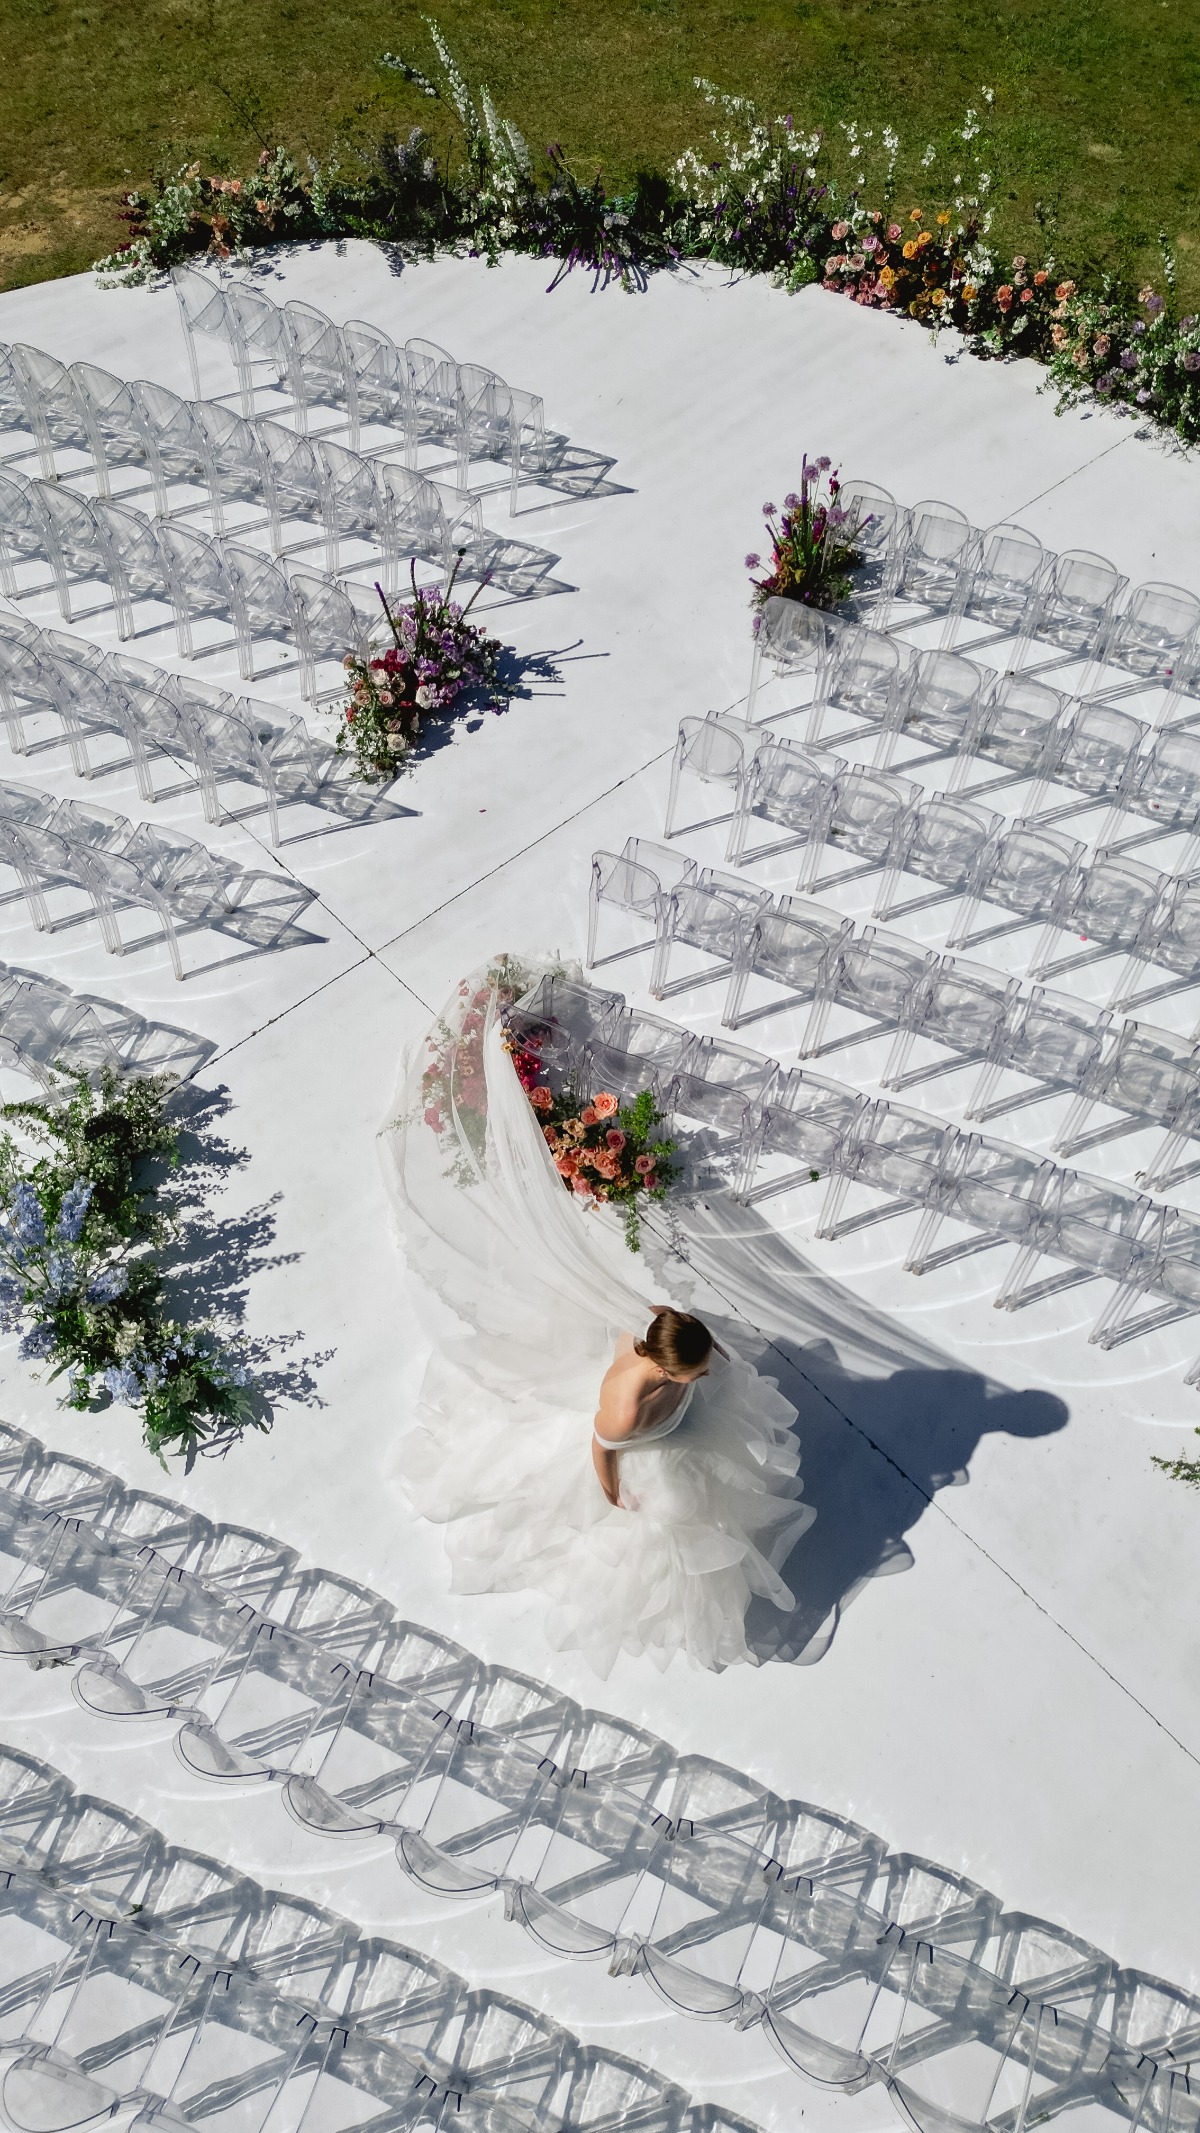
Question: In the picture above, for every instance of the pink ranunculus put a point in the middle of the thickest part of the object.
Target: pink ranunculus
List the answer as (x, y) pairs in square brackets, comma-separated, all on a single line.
[(616, 1140), (604, 1105), (839, 230), (541, 1098), (589, 1114), (581, 1186), (644, 1164)]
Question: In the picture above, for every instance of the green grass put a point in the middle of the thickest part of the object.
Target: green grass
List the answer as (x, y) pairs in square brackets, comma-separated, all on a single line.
[(1094, 112)]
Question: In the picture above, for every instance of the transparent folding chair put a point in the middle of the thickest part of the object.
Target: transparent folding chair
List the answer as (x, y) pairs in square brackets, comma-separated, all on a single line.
[(1001, 588), (862, 671), (75, 547), (197, 1903), (1102, 1230), (790, 787), (891, 1150), (323, 365), (962, 1008), (433, 389), (637, 880), (503, 2049), (174, 441), (934, 557), (264, 336), (872, 975), (52, 407), (1076, 601), (943, 840), (136, 564), (23, 532), (237, 467), (797, 1137), (706, 914), (841, 1997), (792, 639), (297, 1948), (1151, 1077), (296, 473), (991, 1188), (1008, 2040), (1164, 790), (635, 1052), (876, 525), (868, 817), (785, 946), (1015, 723), (262, 602), (203, 309), (1110, 906), (713, 749), (107, 406), (427, 521), (382, 382), (102, 1852), (936, 701), (353, 506), (1027, 870), (1094, 752), (328, 626), (197, 583), (1150, 633), (498, 424), (1049, 1039), (390, 1738)]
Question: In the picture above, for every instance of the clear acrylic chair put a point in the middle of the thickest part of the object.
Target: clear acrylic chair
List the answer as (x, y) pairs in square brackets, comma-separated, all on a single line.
[(1047, 1038), (1150, 1077), (720, 1089), (637, 1051), (1002, 587), (107, 406), (863, 671), (713, 749), (1095, 753), (792, 639), (1164, 1273), (796, 1137), (790, 787), (328, 626), (785, 946), (1103, 1231), (937, 701), (323, 365), (32, 1799), (871, 975), (1077, 599), (1151, 632), (203, 309), (22, 531), (174, 442), (428, 521), (1015, 723), (705, 914), (1164, 792), (237, 468), (263, 335), (262, 602), (1111, 906), (1026, 870), (637, 881), (866, 818), (137, 567), (876, 525), (75, 547), (62, 1588), (353, 506), (433, 389), (1169, 941), (943, 840), (382, 382), (960, 1007), (991, 1188), (197, 583), (53, 409), (562, 1016), (160, 1663), (893, 1151), (498, 424), (934, 557), (297, 481)]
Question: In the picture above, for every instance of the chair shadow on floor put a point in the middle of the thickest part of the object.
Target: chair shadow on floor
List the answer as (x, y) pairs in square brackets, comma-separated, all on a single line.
[(875, 1452)]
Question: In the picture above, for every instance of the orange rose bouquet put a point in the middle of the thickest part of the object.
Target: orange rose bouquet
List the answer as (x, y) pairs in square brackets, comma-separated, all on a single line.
[(605, 1152)]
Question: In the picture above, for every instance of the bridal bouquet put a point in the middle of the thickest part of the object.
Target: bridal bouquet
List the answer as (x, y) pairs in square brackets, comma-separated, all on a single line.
[(812, 543), (606, 1152)]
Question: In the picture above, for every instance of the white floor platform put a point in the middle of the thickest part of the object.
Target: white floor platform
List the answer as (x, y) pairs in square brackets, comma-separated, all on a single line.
[(1013, 1682)]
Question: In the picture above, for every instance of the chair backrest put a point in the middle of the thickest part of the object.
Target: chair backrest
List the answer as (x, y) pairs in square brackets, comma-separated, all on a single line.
[(792, 937), (1079, 593), (1153, 628), (792, 636), (946, 836), (712, 748), (873, 517), (1117, 898), (1029, 868), (203, 302)]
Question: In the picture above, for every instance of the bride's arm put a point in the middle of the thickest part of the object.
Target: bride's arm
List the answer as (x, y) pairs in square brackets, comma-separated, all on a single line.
[(616, 1418)]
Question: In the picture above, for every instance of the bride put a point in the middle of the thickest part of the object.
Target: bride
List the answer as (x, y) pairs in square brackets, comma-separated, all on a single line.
[(643, 1481)]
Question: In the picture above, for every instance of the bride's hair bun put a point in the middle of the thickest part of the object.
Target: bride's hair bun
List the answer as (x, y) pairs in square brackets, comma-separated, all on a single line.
[(677, 1342)]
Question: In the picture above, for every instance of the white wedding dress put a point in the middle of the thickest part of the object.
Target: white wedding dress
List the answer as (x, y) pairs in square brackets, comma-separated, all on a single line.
[(501, 1453)]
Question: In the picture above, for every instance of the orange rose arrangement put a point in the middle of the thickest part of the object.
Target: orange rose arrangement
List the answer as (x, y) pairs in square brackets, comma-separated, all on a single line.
[(605, 1152)]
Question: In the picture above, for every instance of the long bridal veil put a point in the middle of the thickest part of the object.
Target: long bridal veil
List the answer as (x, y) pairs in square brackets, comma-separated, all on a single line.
[(540, 1287)]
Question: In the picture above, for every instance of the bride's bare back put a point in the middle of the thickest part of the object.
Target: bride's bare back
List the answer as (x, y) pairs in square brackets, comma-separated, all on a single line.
[(636, 1395)]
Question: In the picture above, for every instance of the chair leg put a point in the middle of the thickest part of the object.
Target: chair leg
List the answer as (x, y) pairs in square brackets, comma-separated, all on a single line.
[(1015, 1282)]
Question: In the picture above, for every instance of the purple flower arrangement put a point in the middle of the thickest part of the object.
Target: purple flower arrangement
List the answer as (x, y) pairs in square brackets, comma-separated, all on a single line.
[(437, 658)]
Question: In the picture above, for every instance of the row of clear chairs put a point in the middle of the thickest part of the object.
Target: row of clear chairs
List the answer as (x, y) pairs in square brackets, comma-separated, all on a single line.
[(314, 487), (100, 865), (778, 1129), (1147, 779), (133, 559), (140, 1974), (732, 1903), (44, 1027), (414, 390), (86, 695), (1109, 907), (929, 558)]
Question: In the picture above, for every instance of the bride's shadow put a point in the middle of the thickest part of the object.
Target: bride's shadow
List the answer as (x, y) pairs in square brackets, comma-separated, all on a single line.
[(875, 1452)]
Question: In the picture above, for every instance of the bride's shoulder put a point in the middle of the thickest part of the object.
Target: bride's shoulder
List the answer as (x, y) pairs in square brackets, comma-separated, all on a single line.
[(621, 1395)]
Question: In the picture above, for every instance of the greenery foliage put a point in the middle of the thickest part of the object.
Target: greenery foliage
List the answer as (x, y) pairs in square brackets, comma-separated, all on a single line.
[(82, 1224), (436, 660)]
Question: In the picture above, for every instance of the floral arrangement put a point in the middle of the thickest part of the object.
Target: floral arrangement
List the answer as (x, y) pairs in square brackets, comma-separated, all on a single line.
[(760, 196), (453, 1087), (435, 658), (79, 1273), (812, 545), (605, 1152)]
